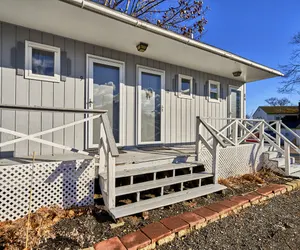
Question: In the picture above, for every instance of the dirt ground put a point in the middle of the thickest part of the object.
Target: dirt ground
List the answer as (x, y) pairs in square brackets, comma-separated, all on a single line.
[(274, 224), (78, 230)]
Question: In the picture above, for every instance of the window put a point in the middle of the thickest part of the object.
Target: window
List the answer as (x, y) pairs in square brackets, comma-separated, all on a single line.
[(214, 91), (185, 86), (42, 62)]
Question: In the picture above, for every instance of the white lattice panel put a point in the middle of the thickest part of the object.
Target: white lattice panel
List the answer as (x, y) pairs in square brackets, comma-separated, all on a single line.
[(242, 159), (67, 184)]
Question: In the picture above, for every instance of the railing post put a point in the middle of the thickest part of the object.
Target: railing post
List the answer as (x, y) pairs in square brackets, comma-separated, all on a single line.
[(101, 151), (215, 160), (278, 129), (261, 133), (235, 133), (287, 158), (111, 180), (198, 141)]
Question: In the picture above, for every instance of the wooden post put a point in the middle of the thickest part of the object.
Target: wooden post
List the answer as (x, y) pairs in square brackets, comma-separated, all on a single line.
[(261, 133), (278, 129), (235, 132), (215, 160), (101, 150), (111, 180), (198, 141), (287, 158)]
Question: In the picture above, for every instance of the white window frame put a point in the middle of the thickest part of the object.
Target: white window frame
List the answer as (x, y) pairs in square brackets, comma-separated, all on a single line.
[(190, 78), (28, 62), (218, 87)]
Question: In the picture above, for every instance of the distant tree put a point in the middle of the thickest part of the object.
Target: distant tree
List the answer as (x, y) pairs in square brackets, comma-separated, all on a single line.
[(291, 82), (185, 17), (274, 101)]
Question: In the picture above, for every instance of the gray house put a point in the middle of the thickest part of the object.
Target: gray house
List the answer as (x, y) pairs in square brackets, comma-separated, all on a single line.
[(60, 56)]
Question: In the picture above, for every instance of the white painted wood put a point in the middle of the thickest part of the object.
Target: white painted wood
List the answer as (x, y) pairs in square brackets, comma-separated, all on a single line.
[(278, 129), (111, 180), (165, 200), (159, 183), (133, 170), (216, 159), (287, 158), (198, 141)]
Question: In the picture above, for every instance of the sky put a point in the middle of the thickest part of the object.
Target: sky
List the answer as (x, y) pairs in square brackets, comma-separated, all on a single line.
[(259, 30)]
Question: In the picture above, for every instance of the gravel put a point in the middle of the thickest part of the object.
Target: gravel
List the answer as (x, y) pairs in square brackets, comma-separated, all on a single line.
[(274, 224)]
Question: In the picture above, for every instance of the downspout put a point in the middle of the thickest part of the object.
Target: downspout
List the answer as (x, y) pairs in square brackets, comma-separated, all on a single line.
[(169, 34)]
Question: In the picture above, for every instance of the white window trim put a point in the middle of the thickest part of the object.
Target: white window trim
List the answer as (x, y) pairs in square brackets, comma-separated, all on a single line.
[(218, 87), (28, 62), (190, 78)]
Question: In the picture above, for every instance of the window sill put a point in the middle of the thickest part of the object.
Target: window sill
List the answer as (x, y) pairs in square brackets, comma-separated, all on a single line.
[(55, 78), (214, 100), (190, 97)]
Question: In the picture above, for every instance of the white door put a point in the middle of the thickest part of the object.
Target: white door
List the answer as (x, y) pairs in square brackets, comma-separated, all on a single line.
[(105, 78), (150, 91), (235, 102)]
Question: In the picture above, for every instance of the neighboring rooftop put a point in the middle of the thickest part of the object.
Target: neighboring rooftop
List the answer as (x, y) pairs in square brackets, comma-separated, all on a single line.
[(280, 109)]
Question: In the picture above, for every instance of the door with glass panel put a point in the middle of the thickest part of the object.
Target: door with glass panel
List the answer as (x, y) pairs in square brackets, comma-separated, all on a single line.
[(105, 81), (235, 102), (151, 89)]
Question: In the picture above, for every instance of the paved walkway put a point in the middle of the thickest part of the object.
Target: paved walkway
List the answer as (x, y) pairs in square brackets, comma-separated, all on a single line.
[(275, 224)]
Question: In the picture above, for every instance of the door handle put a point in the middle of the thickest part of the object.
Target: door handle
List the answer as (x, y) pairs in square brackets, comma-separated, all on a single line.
[(90, 102)]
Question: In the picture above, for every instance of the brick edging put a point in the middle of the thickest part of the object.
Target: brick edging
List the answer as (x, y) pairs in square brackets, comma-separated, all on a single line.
[(158, 233)]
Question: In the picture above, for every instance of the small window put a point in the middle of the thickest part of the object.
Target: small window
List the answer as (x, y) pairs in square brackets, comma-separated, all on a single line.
[(214, 91), (42, 62), (185, 86)]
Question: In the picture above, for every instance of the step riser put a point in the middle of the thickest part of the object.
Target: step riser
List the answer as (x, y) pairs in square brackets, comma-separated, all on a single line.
[(164, 200), (281, 161), (155, 162)]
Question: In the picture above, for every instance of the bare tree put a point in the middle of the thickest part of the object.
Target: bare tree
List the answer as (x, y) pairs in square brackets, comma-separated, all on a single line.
[(291, 83), (185, 17), (274, 101)]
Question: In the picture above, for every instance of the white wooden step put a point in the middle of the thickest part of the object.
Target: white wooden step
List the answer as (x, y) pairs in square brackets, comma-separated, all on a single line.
[(132, 170), (129, 189), (273, 154), (294, 168), (295, 175), (281, 161), (164, 200)]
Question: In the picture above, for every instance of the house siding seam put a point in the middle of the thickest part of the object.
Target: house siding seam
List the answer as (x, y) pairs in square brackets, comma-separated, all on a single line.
[(180, 114)]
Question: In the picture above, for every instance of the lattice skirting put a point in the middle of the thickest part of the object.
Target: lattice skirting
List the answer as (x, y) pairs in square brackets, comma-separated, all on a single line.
[(66, 184), (243, 159)]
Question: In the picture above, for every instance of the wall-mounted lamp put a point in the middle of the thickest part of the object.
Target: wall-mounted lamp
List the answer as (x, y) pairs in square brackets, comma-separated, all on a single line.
[(142, 47), (237, 73)]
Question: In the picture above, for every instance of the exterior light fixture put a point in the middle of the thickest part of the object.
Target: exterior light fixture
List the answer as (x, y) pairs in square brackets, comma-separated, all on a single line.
[(237, 73), (142, 47)]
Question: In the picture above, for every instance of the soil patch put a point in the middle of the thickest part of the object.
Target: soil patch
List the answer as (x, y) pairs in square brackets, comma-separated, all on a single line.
[(84, 227)]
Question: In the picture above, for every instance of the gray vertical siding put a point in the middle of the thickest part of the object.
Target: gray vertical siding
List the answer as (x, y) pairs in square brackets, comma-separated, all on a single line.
[(179, 113)]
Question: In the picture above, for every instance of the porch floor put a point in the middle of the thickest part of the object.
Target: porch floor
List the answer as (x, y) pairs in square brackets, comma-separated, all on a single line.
[(127, 156)]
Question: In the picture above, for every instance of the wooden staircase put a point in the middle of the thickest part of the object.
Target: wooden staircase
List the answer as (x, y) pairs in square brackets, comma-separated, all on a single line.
[(158, 183), (277, 162)]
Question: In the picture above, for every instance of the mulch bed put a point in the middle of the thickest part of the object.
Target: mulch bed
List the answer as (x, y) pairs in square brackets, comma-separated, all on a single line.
[(274, 224), (84, 229)]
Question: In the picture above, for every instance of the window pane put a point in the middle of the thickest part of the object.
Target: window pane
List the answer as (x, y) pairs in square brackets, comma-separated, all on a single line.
[(106, 93), (150, 107), (185, 87), (213, 95), (42, 62), (214, 88)]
